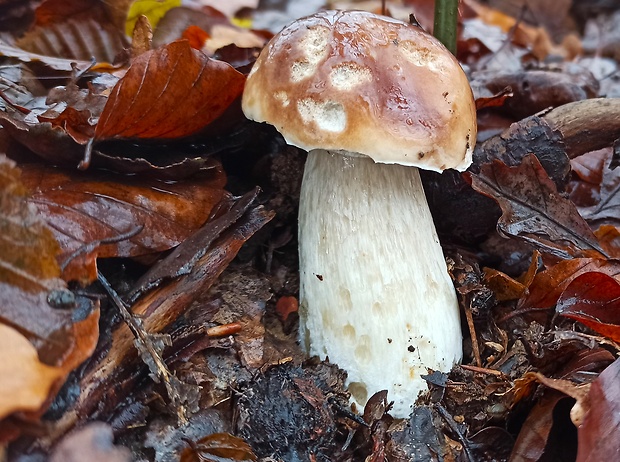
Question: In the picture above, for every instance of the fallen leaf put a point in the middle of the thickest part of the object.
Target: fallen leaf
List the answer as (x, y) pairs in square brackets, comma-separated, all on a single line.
[(548, 285), (594, 300), (87, 210), (170, 92), (81, 35), (61, 326), (598, 433), (533, 210), (25, 382)]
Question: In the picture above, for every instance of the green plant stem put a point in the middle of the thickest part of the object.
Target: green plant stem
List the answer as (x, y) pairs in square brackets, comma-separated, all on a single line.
[(446, 12)]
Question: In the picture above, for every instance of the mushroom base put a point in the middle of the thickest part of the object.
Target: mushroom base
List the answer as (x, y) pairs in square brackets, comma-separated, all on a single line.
[(375, 295)]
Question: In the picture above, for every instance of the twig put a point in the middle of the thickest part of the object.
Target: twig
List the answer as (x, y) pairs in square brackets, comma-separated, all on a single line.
[(87, 248), (472, 333), (155, 361), (483, 370)]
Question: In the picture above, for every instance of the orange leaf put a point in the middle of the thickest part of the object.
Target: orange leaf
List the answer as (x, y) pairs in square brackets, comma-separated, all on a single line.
[(171, 92), (26, 382)]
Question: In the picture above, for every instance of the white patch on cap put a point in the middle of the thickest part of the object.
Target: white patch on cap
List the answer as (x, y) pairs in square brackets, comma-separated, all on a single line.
[(422, 56), (347, 76), (329, 115), (282, 97), (314, 46)]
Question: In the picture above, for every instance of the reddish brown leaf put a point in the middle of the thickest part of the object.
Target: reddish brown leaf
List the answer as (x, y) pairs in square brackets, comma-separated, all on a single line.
[(548, 285), (594, 300), (170, 92), (83, 209), (533, 209), (598, 434)]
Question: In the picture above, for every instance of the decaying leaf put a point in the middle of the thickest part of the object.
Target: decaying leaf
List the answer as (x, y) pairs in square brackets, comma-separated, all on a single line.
[(534, 210), (170, 92)]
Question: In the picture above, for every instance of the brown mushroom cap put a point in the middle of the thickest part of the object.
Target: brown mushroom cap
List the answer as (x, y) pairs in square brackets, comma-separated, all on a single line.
[(359, 82)]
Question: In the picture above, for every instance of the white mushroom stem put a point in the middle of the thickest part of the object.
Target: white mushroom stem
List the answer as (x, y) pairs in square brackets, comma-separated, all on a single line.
[(376, 298)]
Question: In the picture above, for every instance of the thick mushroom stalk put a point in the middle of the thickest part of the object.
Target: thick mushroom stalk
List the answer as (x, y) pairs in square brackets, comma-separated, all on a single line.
[(371, 98), (375, 294)]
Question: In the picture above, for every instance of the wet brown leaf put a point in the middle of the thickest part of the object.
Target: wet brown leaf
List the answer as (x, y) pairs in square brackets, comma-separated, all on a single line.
[(548, 285), (594, 300), (83, 209), (170, 92), (598, 433), (533, 209)]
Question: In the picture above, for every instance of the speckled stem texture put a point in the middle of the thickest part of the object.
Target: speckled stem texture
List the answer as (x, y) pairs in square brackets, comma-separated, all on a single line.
[(376, 297)]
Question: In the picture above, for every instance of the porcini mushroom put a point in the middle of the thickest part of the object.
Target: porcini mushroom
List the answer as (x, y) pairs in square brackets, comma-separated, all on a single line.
[(361, 92)]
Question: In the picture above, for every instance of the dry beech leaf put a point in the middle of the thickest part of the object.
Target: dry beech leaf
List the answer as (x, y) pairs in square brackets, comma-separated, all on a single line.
[(598, 432), (171, 92), (85, 208), (533, 209), (548, 285), (25, 382), (594, 300)]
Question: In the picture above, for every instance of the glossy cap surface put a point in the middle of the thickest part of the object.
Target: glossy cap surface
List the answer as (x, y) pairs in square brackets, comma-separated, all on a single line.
[(359, 82)]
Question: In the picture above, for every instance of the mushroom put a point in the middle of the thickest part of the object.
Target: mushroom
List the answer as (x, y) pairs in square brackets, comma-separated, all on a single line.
[(371, 98)]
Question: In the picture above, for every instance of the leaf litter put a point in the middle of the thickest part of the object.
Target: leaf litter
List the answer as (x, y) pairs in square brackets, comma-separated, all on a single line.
[(168, 214)]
